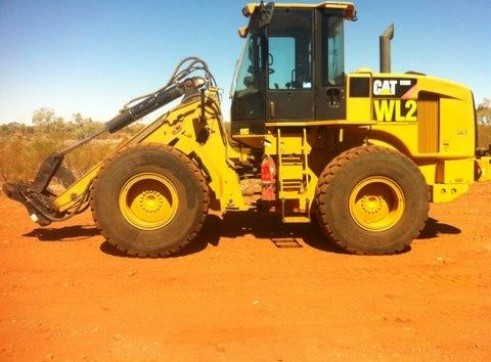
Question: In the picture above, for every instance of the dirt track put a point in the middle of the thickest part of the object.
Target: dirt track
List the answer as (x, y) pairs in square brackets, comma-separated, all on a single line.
[(248, 290)]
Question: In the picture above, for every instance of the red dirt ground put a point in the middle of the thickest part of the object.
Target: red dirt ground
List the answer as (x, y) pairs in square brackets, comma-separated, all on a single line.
[(249, 289)]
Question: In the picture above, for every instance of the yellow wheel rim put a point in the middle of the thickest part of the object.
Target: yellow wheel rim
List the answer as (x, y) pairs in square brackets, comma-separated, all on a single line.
[(148, 201), (377, 204)]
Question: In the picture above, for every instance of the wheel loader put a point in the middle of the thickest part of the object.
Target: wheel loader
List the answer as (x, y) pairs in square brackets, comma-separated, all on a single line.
[(361, 154)]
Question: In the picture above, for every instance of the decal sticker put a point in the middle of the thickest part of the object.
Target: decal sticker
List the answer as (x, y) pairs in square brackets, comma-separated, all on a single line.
[(394, 100), (397, 88), (395, 110)]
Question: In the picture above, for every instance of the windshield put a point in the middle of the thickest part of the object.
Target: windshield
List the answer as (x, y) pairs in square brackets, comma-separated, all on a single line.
[(238, 68), (248, 70)]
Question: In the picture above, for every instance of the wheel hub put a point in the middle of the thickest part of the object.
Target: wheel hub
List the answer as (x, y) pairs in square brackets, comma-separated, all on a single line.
[(151, 201), (371, 204), (148, 201), (377, 203)]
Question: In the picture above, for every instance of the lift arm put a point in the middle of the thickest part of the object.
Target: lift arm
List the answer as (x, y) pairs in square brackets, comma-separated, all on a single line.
[(38, 199)]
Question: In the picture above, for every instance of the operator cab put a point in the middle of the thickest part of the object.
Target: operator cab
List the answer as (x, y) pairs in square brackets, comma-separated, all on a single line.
[(289, 72)]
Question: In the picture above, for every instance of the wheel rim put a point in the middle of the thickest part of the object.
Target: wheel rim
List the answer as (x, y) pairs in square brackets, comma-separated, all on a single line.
[(148, 201), (377, 204)]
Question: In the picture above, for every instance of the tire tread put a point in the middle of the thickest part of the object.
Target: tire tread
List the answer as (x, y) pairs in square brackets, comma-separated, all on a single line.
[(328, 175)]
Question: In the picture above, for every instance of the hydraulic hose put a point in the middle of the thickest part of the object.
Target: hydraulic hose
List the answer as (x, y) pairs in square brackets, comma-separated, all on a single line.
[(148, 105), (173, 89)]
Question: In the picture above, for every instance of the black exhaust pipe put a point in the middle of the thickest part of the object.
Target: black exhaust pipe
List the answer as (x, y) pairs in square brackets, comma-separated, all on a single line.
[(385, 51)]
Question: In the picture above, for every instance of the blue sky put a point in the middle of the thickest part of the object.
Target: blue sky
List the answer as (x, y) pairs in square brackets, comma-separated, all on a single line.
[(92, 56)]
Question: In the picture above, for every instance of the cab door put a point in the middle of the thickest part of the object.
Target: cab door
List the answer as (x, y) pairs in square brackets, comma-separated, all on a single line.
[(330, 76), (290, 92)]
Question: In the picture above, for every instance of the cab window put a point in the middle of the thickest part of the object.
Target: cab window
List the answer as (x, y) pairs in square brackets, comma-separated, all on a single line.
[(290, 50), (332, 49)]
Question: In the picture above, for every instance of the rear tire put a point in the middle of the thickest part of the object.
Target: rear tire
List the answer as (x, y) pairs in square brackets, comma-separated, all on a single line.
[(372, 200), (149, 200)]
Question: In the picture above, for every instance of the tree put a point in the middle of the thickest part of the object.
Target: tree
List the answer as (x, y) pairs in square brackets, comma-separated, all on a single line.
[(45, 121), (83, 127), (4, 130), (483, 112)]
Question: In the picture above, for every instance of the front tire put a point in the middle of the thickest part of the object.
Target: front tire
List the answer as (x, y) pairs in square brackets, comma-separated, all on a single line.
[(149, 200), (372, 200)]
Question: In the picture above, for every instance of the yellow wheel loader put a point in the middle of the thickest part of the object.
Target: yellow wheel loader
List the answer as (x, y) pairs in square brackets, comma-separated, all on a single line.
[(362, 153)]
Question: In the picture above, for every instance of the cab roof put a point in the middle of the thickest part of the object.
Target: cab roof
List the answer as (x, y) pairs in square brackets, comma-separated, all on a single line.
[(348, 7)]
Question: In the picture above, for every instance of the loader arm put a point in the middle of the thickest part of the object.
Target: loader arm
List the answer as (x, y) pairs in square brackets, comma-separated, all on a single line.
[(44, 207), (195, 128)]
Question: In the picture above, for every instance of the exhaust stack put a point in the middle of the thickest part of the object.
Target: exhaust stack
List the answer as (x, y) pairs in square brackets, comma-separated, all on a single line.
[(385, 51)]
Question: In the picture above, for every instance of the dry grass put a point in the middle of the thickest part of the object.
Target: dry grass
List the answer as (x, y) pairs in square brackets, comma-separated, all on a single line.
[(21, 157), (84, 158), (484, 138)]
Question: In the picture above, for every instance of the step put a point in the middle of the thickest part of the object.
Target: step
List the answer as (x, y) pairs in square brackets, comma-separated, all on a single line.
[(296, 219)]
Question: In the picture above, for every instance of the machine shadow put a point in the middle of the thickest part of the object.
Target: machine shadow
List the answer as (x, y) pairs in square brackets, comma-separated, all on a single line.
[(267, 226), (235, 225), (64, 234), (433, 228), (264, 226)]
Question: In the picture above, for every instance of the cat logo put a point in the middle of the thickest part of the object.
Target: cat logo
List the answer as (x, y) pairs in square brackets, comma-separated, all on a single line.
[(400, 88), (386, 87)]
